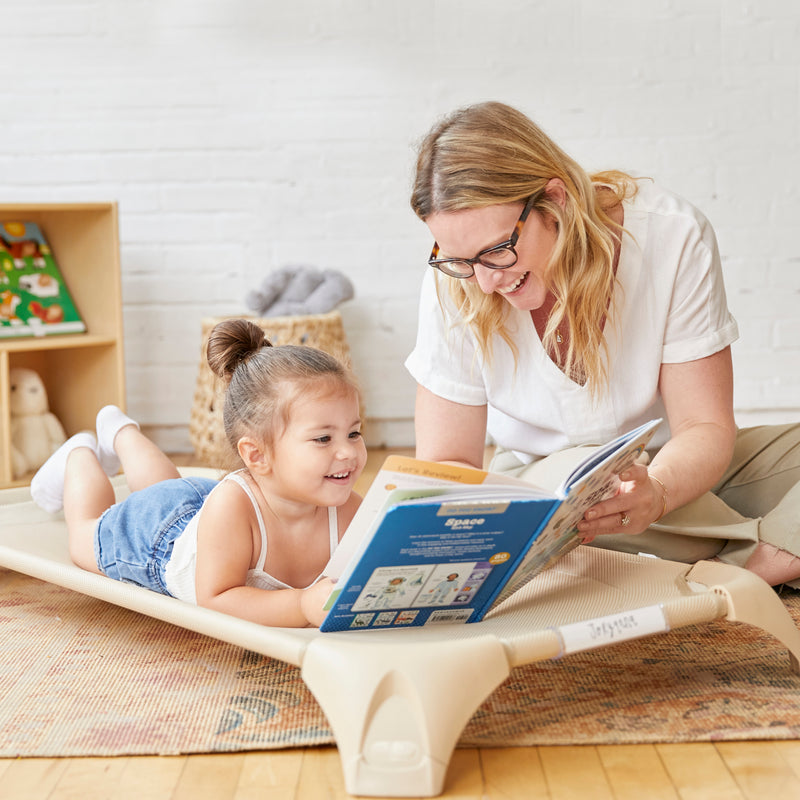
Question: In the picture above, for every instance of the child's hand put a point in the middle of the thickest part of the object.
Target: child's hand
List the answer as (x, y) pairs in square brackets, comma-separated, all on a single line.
[(313, 599)]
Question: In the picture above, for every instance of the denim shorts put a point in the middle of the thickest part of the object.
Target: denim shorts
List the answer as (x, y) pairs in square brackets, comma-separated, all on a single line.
[(134, 539)]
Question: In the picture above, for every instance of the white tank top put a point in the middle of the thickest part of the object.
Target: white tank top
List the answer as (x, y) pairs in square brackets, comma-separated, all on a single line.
[(179, 572)]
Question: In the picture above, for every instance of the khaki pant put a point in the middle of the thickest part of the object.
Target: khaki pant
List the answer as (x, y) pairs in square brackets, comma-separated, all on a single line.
[(757, 499)]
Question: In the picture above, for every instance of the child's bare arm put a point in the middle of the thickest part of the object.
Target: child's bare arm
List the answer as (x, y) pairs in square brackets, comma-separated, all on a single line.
[(313, 599), (224, 557), (280, 608)]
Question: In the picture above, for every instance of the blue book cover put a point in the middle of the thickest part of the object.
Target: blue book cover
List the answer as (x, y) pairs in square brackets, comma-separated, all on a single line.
[(437, 560), (436, 544)]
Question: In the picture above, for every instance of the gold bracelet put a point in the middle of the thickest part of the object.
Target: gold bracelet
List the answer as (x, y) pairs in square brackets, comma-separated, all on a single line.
[(663, 497)]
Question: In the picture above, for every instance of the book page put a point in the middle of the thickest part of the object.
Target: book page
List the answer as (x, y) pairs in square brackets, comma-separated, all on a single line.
[(596, 479), (638, 438)]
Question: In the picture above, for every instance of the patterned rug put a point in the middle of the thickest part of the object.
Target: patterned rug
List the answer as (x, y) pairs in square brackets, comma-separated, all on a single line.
[(79, 677)]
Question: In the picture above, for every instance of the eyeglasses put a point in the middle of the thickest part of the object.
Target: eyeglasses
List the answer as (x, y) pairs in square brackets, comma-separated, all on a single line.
[(501, 256)]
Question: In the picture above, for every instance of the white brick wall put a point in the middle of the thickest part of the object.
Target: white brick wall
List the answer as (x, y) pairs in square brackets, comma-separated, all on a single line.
[(243, 135)]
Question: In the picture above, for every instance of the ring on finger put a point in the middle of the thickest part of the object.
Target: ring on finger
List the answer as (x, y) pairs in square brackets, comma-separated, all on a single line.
[(624, 520)]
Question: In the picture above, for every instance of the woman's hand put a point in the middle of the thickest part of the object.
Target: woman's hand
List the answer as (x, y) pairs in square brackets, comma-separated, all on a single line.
[(640, 501), (313, 599)]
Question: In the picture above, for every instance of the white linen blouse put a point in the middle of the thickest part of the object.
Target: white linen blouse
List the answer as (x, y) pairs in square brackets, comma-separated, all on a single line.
[(669, 306)]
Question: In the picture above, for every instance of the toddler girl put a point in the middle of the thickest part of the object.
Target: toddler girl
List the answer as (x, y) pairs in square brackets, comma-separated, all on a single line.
[(292, 413)]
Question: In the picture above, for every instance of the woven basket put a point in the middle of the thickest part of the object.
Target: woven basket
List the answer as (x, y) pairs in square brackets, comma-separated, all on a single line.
[(323, 331)]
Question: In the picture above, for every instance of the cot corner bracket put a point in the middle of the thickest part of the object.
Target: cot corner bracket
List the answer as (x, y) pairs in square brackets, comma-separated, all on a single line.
[(397, 705)]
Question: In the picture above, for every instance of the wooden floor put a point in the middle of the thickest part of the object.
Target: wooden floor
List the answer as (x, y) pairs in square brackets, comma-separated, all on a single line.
[(706, 771)]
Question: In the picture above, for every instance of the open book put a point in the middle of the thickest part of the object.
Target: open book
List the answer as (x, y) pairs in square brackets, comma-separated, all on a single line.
[(433, 543)]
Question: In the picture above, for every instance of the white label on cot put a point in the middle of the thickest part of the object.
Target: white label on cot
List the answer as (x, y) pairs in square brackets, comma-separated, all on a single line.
[(601, 631)]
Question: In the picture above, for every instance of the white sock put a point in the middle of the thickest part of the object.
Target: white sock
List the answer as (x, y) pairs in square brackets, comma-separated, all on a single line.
[(110, 420), (47, 486)]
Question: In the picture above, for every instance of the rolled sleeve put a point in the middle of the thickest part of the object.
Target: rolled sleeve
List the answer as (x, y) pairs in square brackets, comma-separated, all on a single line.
[(699, 322)]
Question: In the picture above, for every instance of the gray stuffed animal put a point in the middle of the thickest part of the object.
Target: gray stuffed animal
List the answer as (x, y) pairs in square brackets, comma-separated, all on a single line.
[(294, 291)]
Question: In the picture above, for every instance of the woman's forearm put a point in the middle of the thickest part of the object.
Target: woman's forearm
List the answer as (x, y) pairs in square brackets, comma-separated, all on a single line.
[(692, 462), (698, 398)]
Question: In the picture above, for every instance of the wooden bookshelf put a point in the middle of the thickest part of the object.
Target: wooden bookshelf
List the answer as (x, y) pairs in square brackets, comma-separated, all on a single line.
[(82, 372)]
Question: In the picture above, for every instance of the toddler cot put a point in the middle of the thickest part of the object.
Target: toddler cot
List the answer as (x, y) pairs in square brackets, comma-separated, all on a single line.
[(390, 697)]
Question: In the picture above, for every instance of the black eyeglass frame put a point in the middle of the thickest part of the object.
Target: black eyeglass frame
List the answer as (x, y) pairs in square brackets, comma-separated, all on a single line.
[(508, 244)]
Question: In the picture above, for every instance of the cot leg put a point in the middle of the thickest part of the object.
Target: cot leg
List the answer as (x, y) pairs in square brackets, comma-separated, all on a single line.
[(752, 600), (397, 708)]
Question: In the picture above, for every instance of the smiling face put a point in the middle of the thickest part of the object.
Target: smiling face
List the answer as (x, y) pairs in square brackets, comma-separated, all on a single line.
[(320, 454), (463, 234)]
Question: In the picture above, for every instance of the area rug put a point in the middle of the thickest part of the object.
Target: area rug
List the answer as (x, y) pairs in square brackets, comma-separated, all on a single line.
[(79, 677)]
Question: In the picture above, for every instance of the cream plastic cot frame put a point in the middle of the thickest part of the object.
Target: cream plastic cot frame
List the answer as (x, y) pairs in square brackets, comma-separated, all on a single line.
[(395, 712)]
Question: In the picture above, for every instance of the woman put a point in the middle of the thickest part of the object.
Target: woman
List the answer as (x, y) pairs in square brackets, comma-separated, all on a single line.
[(564, 309)]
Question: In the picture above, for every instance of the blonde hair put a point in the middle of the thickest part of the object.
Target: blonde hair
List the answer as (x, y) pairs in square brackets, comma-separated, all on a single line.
[(262, 381), (490, 153)]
